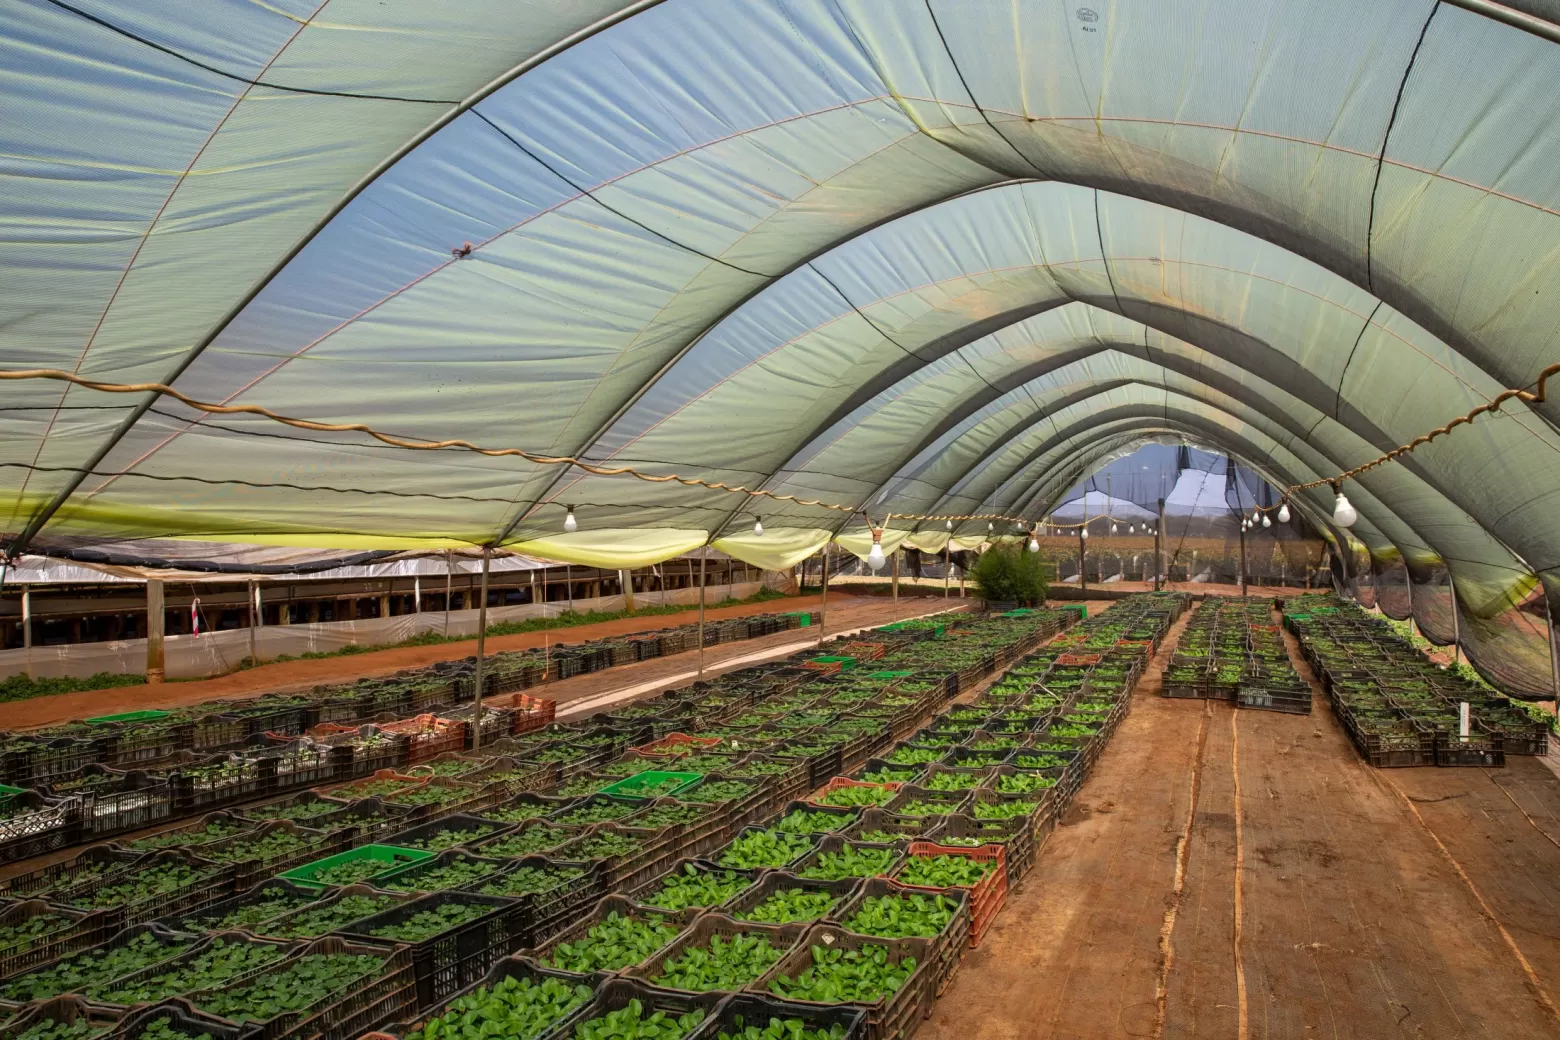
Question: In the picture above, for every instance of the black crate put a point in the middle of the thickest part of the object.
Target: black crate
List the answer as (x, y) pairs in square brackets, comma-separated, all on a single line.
[(425, 835), (261, 893), (779, 880), (453, 959), (834, 843), (174, 942), (586, 919), (181, 1017), (77, 930), (1480, 749), (329, 898), (699, 934), (64, 1010), (616, 994), (349, 1012), (950, 944), (282, 949), (331, 810), (650, 887), (812, 843), (96, 862), (411, 878), (516, 967), (1269, 698), (212, 882), (37, 825), (548, 912), (1018, 835), (251, 865), (656, 849), (892, 1018), (751, 1009)]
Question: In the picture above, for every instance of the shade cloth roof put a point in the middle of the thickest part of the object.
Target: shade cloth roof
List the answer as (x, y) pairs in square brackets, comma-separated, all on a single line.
[(913, 256)]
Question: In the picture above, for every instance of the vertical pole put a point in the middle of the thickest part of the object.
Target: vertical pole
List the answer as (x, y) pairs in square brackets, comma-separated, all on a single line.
[(1243, 561), (254, 621), (27, 626), (417, 595), (1159, 534), (626, 579), (449, 577), (1456, 628), (1083, 577), (476, 711), (568, 580), (896, 584), (701, 616), (154, 631), (947, 564), (1554, 652), (823, 607)]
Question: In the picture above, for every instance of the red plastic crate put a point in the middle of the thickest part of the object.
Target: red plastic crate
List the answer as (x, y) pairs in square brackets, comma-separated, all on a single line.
[(844, 781), (430, 736), (675, 744), (988, 895)]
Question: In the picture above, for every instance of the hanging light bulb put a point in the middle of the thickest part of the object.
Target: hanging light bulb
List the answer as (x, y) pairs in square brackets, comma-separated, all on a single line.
[(1034, 544), (991, 526), (758, 525), (1344, 515), (948, 524), (1256, 514), (1083, 532), (570, 525), (875, 558), (1132, 528), (1266, 521), (1283, 513), (1113, 527)]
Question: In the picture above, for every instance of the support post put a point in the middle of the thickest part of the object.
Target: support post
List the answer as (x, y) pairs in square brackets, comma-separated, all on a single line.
[(701, 616), (1456, 628), (254, 621), (568, 581), (154, 631), (947, 564), (476, 711), (1243, 561), (27, 616), (1554, 653), (823, 607), (1159, 534), (896, 584), (416, 595), (626, 579), (1083, 545), (449, 578)]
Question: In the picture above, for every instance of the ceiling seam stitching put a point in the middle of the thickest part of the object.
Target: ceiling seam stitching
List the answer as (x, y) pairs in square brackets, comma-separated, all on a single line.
[(1386, 137)]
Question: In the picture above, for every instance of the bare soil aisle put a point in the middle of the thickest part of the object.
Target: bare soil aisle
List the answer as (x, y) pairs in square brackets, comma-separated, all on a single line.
[(1353, 921)]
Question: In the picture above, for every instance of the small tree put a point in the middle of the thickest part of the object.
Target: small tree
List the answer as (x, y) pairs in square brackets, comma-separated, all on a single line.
[(1010, 575)]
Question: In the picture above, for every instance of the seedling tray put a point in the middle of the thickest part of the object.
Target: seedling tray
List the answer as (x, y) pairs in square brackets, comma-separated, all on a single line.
[(698, 934), (462, 955), (164, 938), (549, 912), (949, 944), (832, 843), (192, 922), (414, 877), (987, 895), (630, 787), (348, 1012), (392, 857), (751, 1009), (62, 1011), (616, 994), (619, 905), (894, 1017), (783, 881), (182, 1018), (78, 930), (510, 967), (284, 948), (415, 837), (97, 862)]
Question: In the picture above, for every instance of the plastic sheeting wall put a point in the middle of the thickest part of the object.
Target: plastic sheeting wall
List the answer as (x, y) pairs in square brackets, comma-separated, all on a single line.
[(217, 653)]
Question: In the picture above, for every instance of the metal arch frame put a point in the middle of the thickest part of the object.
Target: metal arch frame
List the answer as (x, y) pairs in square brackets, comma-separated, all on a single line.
[(1518, 19)]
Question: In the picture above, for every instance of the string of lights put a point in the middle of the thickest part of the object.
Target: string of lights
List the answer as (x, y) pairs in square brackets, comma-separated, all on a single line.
[(1344, 514)]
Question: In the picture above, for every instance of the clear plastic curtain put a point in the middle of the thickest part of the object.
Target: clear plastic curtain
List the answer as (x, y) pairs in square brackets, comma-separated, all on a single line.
[(1511, 647), (1431, 589), (1390, 580)]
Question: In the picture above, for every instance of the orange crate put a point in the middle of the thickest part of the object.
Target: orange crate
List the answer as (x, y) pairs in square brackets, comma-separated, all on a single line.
[(674, 744), (531, 713), (844, 781), (430, 736), (986, 896)]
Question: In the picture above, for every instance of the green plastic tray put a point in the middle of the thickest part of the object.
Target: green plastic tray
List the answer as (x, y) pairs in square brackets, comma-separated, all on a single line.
[(804, 618), (148, 715), (888, 675), (651, 776), (844, 662), (393, 856)]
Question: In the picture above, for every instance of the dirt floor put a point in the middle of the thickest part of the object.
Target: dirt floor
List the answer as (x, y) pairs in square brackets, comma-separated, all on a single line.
[(1235, 874)]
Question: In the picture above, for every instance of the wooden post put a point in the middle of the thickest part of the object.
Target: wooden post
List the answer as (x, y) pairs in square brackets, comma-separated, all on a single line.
[(1456, 628), (27, 616), (254, 621), (701, 617), (1554, 651), (416, 595), (1243, 560), (823, 607), (626, 579), (154, 631), (568, 581), (1083, 544), (896, 584), (476, 712), (449, 577)]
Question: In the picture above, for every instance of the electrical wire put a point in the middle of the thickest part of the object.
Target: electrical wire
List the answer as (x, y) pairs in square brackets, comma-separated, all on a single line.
[(1535, 396)]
